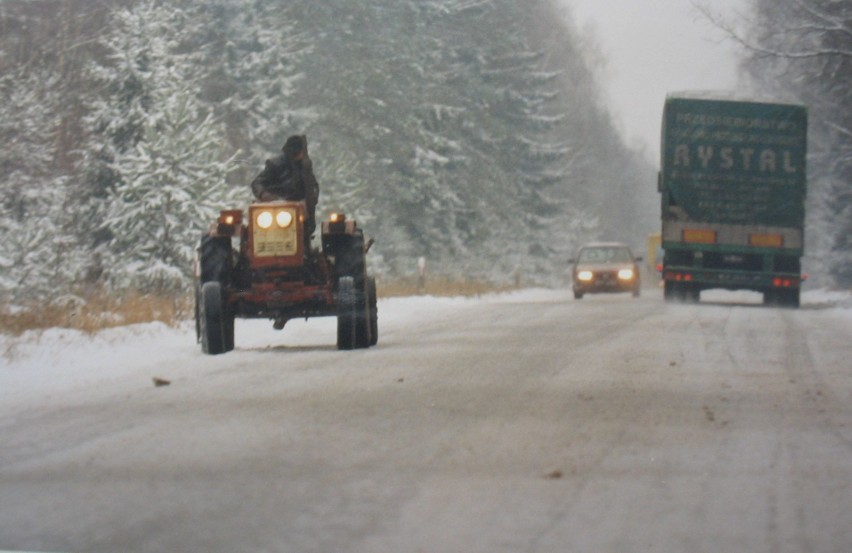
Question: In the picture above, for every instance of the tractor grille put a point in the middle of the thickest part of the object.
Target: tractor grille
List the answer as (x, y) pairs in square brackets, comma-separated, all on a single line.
[(279, 239)]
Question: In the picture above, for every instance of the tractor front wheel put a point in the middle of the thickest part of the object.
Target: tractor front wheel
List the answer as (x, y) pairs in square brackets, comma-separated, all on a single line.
[(346, 313), (211, 319), (372, 302), (363, 315)]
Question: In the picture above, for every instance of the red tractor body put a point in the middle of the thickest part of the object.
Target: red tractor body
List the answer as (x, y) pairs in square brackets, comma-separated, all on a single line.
[(263, 267)]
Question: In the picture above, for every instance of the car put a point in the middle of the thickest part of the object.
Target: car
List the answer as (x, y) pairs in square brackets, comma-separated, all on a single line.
[(605, 267)]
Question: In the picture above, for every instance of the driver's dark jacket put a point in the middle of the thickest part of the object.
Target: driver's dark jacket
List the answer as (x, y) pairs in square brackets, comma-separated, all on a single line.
[(291, 180)]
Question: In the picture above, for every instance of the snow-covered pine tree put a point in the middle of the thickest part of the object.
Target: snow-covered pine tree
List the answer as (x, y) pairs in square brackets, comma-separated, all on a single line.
[(518, 123), (256, 54), (33, 252), (480, 138), (157, 153), (450, 129)]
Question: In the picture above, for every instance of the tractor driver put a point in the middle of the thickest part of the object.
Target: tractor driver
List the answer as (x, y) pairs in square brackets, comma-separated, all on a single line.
[(290, 176)]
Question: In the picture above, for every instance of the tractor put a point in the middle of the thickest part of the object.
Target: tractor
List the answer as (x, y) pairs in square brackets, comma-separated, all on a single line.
[(263, 266)]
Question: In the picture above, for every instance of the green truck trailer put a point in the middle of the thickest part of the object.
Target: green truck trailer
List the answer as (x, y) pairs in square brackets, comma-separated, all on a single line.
[(732, 184)]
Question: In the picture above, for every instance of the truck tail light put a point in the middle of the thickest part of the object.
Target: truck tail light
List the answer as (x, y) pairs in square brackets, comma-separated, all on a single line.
[(678, 277), (766, 240), (699, 236), (780, 282)]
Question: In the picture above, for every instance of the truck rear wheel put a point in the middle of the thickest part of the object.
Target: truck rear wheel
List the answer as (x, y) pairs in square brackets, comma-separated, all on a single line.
[(346, 313), (681, 291), (693, 293), (782, 298), (793, 298)]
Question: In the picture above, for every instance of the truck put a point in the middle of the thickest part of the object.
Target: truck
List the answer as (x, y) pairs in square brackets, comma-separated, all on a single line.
[(732, 182), (260, 263)]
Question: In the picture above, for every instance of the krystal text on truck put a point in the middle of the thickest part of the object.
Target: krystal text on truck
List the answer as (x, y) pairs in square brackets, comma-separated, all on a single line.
[(262, 266), (732, 184)]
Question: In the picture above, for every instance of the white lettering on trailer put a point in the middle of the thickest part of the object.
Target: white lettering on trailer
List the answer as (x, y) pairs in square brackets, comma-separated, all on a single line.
[(726, 158)]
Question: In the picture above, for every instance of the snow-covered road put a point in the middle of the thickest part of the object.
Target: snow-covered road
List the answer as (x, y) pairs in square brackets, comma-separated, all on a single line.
[(526, 422)]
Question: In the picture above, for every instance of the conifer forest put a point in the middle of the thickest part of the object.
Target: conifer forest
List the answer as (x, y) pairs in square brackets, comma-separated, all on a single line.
[(469, 133)]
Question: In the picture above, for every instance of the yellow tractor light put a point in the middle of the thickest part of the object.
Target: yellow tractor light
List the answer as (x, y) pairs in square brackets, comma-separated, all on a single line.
[(284, 219), (230, 217), (228, 222), (264, 219)]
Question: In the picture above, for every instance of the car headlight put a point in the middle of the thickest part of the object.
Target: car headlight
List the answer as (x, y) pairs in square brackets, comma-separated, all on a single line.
[(264, 219), (585, 276), (625, 274), (284, 218)]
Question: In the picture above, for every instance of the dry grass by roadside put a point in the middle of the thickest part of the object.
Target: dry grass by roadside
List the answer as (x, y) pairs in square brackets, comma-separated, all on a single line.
[(94, 313), (99, 311), (438, 287)]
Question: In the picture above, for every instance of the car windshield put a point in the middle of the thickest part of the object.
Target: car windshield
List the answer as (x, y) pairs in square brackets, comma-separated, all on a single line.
[(605, 255)]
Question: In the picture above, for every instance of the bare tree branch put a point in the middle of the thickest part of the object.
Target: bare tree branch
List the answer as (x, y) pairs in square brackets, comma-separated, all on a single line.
[(811, 53)]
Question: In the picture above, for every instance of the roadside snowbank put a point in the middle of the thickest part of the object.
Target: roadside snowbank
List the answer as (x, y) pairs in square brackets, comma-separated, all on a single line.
[(57, 357)]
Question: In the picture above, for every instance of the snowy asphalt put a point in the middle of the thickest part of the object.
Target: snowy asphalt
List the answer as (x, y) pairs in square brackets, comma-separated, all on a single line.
[(528, 422)]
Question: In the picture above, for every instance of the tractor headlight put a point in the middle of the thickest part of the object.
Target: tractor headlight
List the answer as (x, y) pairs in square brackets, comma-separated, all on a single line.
[(284, 219), (264, 219), (625, 274), (585, 276)]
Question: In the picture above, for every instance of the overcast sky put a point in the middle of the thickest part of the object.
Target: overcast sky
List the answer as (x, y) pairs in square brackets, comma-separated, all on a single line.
[(653, 47)]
